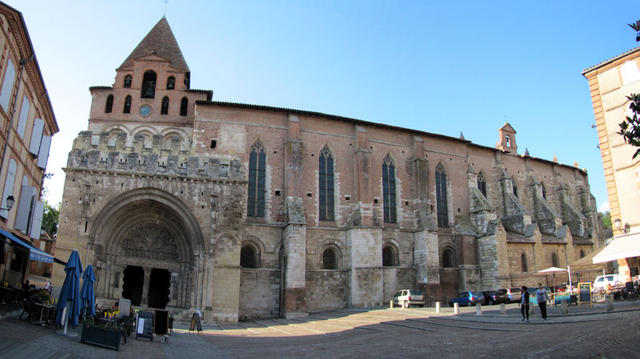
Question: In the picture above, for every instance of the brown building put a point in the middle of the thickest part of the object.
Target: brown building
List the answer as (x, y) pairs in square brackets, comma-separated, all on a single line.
[(27, 123), (610, 82), (248, 211)]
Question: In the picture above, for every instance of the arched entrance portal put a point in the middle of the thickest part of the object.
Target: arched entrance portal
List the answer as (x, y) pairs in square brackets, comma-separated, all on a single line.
[(146, 243)]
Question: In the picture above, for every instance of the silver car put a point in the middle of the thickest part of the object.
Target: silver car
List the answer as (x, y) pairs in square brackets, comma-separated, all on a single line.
[(408, 297)]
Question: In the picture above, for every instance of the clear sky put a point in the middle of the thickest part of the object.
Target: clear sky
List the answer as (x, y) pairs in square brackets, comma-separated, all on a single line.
[(435, 66)]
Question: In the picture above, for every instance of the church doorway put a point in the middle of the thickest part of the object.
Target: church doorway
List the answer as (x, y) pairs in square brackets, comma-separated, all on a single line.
[(159, 284), (133, 284)]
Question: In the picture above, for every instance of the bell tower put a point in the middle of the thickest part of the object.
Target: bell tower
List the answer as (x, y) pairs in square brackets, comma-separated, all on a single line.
[(507, 139)]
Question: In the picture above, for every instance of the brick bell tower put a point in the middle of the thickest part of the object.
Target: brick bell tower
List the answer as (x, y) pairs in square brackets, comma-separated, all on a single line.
[(507, 139)]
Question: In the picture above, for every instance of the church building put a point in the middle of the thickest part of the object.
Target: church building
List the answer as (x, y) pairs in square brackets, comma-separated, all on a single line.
[(249, 211)]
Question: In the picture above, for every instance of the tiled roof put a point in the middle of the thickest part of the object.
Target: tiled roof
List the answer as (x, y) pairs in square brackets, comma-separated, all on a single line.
[(606, 62), (160, 42)]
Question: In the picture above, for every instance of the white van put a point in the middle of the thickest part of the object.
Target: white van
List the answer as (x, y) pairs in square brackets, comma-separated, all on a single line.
[(603, 281)]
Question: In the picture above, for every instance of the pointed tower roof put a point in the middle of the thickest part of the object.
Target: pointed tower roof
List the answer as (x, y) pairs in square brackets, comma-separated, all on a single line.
[(160, 42)]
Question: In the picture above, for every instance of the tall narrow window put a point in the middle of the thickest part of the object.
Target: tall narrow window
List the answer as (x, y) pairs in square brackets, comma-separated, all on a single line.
[(554, 259), (581, 253), (148, 85), (326, 185), (248, 257), (389, 256), (165, 106), (441, 197), (8, 187), (544, 192), (127, 81), (515, 188), (389, 189), (449, 258), (171, 83), (508, 141), (482, 184), (329, 259), (183, 106), (109, 105), (256, 187), (127, 105), (523, 262), (7, 85)]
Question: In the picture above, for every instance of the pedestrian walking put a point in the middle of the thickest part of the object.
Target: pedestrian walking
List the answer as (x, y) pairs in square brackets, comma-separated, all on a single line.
[(541, 297), (524, 303)]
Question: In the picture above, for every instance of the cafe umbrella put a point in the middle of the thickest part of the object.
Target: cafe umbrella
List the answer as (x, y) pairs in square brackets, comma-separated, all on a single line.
[(69, 298), (553, 271), (87, 294)]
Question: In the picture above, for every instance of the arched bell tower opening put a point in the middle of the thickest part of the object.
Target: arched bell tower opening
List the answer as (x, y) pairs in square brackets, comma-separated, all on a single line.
[(146, 244)]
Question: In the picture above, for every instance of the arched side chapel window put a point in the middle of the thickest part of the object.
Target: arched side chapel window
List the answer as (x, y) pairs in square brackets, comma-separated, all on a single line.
[(554, 259), (248, 256), (329, 259), (326, 185), (184, 106), (389, 189), (389, 256), (441, 197), (515, 188), (256, 186), (108, 107), (127, 105), (544, 191), (148, 85), (523, 262), (449, 258), (482, 184)]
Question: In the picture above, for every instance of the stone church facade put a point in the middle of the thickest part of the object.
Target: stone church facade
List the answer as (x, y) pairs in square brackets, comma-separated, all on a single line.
[(249, 211)]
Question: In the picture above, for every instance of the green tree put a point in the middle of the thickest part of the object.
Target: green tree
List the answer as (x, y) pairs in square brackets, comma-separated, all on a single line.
[(630, 128), (51, 218)]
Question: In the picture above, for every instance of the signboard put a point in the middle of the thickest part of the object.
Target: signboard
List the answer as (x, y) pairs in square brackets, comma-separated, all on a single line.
[(144, 326), (584, 293)]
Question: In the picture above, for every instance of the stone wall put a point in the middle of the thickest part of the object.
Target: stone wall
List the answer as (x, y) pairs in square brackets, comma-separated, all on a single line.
[(327, 289), (259, 293)]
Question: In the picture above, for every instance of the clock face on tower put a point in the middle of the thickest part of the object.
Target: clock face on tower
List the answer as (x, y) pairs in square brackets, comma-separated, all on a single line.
[(145, 110)]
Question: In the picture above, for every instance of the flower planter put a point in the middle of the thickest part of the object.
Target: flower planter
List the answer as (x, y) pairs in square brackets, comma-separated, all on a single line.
[(104, 337)]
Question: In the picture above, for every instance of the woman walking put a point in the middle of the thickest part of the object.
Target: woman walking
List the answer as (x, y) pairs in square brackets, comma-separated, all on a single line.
[(541, 297), (524, 303)]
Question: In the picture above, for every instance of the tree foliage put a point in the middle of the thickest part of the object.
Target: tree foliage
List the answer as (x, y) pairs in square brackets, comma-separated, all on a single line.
[(630, 128), (51, 218)]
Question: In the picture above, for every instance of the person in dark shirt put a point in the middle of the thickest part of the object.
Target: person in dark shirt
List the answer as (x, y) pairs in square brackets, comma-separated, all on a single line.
[(524, 303)]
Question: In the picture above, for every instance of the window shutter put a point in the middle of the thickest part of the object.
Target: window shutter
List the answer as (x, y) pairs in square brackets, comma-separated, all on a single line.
[(43, 154), (8, 187), (36, 136), (24, 208), (24, 115), (36, 223), (7, 85)]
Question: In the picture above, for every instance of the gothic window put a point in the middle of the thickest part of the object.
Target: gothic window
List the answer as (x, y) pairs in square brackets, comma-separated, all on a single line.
[(248, 257), (127, 105), (523, 262), (109, 105), (389, 256), (148, 85), (544, 192), (515, 189), (441, 197), (554, 259), (389, 189), (325, 180), (329, 259), (171, 83), (449, 258), (581, 253), (165, 106), (256, 187), (482, 184), (183, 106), (127, 81)]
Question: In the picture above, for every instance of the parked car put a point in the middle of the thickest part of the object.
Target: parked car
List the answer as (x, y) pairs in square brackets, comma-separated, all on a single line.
[(467, 298), (514, 294), (495, 296), (408, 297), (602, 282)]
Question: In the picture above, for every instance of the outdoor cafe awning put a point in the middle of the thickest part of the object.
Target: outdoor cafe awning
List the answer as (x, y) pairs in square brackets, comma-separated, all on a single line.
[(35, 254), (623, 246)]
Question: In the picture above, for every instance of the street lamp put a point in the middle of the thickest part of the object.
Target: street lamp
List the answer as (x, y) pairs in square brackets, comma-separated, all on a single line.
[(9, 202)]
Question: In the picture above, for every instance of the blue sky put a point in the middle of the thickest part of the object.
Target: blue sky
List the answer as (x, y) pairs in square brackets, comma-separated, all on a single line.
[(441, 67)]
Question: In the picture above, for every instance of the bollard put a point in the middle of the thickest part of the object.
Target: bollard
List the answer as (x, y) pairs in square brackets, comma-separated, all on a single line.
[(437, 307), (456, 308), (609, 303), (478, 309), (565, 307), (391, 303), (503, 309)]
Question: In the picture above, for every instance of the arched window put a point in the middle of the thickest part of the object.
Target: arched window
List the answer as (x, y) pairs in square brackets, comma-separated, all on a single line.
[(127, 81), (127, 104), (148, 85), (183, 106), (581, 253), (329, 259), (508, 140), (389, 189), (248, 258), (544, 192), (256, 187), (325, 181), (389, 256), (165, 106), (449, 258), (171, 83), (515, 188), (108, 107), (554, 259), (523, 263), (482, 184), (441, 197)]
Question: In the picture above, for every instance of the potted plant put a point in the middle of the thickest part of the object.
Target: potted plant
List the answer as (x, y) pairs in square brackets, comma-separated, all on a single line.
[(102, 333)]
